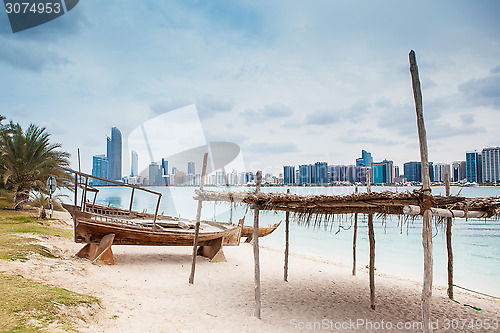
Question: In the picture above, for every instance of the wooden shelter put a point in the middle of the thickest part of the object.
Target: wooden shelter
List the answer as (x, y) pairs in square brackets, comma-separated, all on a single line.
[(326, 207)]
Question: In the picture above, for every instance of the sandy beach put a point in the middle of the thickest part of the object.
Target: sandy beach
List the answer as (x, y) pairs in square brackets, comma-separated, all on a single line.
[(147, 290)]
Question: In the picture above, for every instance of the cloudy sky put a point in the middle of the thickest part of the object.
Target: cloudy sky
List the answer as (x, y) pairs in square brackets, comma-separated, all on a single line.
[(291, 82)]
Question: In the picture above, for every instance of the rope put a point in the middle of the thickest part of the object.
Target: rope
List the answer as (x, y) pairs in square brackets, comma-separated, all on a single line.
[(477, 292), (470, 306)]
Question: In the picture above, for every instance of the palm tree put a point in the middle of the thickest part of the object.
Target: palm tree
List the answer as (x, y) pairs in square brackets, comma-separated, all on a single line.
[(28, 159)]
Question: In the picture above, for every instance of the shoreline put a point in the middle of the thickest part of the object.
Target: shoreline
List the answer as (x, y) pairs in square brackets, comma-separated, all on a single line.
[(148, 291)]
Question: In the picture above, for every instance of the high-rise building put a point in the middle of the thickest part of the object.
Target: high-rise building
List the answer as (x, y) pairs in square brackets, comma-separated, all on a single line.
[(491, 165), (413, 171), (474, 167), (134, 164), (396, 171), (99, 169), (382, 172), (164, 166), (320, 172), (289, 175), (191, 170), (365, 159), (439, 171), (114, 154), (458, 171), (154, 172), (305, 174)]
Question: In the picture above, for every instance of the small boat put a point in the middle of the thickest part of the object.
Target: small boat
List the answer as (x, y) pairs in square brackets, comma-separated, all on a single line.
[(247, 231), (99, 227)]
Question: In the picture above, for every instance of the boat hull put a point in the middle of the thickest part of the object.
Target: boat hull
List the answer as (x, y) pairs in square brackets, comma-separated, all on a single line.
[(91, 228)]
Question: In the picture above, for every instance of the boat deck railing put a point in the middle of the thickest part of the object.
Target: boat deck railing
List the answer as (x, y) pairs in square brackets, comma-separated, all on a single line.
[(82, 180)]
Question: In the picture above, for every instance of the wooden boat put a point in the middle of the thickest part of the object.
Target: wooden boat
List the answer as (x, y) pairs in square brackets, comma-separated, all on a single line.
[(99, 227), (247, 231), (95, 222)]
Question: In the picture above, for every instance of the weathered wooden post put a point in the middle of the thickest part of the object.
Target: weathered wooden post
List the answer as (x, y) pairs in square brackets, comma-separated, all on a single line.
[(426, 197), (287, 237), (354, 236), (368, 181), (371, 236), (256, 248), (449, 249), (198, 218)]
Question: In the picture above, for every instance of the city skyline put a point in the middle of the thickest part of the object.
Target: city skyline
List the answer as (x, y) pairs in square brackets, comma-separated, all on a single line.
[(480, 167), (289, 82)]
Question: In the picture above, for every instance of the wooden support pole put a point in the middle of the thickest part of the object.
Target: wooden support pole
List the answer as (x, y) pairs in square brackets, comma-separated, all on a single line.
[(368, 181), (256, 250), (354, 236), (371, 236), (287, 238), (449, 248), (84, 195), (198, 219), (131, 200), (426, 187)]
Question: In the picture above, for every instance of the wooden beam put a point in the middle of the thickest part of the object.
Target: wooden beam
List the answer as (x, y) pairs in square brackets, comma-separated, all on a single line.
[(258, 302), (449, 248), (449, 213), (287, 245), (371, 236), (426, 187), (198, 219)]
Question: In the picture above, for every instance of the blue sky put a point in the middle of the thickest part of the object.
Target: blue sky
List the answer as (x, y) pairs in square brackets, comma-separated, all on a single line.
[(291, 82)]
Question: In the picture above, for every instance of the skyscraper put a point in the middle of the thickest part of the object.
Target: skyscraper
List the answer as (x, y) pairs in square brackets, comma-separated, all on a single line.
[(134, 164), (382, 172), (491, 165), (365, 159), (413, 171), (154, 173), (305, 172), (473, 166), (459, 171), (191, 168), (99, 169), (114, 154), (320, 172), (288, 175)]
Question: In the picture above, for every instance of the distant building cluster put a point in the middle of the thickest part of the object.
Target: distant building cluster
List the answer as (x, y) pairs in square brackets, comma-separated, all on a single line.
[(478, 167)]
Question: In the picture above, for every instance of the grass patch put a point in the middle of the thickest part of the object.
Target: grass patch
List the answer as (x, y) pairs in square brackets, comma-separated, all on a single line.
[(29, 306), (14, 247)]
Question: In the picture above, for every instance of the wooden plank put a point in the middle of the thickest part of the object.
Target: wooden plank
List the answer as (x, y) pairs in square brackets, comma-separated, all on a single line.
[(371, 236), (287, 238), (104, 254), (258, 302), (198, 218), (426, 187)]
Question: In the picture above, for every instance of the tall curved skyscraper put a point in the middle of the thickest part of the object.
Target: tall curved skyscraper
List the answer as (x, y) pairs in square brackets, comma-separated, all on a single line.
[(114, 152)]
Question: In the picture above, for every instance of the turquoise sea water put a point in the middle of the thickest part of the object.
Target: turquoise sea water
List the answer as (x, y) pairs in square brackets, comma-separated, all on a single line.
[(476, 242)]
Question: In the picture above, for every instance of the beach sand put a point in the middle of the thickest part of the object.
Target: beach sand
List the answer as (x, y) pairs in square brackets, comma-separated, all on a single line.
[(147, 290)]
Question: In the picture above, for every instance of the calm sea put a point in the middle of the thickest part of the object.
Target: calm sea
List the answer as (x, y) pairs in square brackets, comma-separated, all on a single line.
[(476, 242)]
